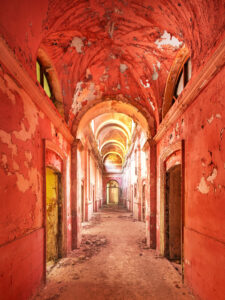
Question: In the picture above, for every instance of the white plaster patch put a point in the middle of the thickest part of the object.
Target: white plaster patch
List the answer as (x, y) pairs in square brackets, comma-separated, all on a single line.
[(210, 119), (78, 44), (155, 74), (212, 177), (218, 116), (152, 105), (123, 68), (6, 139), (158, 65), (167, 39), (203, 187), (111, 29), (147, 85)]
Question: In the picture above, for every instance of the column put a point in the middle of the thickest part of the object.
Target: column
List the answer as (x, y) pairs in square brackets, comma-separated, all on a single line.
[(75, 204), (150, 148)]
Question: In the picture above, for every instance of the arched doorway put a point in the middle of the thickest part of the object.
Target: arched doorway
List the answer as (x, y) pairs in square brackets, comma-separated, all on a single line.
[(112, 192)]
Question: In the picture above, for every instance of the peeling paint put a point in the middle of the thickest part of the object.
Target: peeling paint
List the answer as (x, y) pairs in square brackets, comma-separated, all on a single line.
[(218, 116), (203, 187), (78, 44), (210, 119), (167, 39), (155, 75), (6, 139), (212, 177), (147, 85), (123, 68)]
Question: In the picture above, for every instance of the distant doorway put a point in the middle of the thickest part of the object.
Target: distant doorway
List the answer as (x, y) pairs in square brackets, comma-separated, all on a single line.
[(53, 215), (173, 214), (112, 192)]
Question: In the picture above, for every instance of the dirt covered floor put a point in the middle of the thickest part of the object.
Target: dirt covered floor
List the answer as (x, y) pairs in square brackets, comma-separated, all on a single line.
[(113, 263)]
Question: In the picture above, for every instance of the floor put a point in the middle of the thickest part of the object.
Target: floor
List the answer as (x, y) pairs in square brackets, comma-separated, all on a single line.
[(114, 264)]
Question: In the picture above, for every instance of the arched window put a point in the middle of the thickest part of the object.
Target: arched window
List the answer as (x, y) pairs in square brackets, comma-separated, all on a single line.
[(46, 76), (184, 77), (42, 78), (180, 74)]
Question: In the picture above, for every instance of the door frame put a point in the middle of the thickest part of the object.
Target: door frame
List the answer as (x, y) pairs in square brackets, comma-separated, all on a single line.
[(49, 145), (166, 153)]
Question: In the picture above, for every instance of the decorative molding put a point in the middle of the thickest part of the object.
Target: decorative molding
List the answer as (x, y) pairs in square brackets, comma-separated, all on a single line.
[(8, 59), (193, 89), (55, 148)]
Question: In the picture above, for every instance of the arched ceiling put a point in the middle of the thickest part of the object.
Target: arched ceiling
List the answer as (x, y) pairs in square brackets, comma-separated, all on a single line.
[(113, 133), (113, 48)]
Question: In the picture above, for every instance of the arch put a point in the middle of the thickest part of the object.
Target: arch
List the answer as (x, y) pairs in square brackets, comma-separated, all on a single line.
[(112, 127), (113, 142), (112, 152), (113, 123), (172, 78), (136, 112)]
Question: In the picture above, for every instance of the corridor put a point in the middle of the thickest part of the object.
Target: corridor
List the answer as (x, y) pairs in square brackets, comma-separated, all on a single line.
[(114, 263)]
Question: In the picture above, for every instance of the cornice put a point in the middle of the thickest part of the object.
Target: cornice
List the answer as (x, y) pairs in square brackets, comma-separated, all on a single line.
[(193, 89), (9, 60)]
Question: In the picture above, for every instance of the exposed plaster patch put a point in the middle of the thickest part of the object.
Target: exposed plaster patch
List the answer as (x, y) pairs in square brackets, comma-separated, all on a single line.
[(152, 105), (167, 39), (78, 44), (33, 182), (203, 187), (30, 113), (15, 166), (147, 85), (28, 155), (6, 89), (22, 183), (210, 119), (4, 160), (218, 116), (158, 65), (212, 177), (123, 68), (6, 139), (155, 74)]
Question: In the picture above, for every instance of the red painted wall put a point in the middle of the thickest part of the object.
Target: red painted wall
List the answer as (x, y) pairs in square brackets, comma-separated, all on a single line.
[(22, 130), (202, 128)]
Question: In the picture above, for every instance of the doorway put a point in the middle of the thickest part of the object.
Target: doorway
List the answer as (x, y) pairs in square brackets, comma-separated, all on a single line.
[(112, 192), (53, 216), (173, 214)]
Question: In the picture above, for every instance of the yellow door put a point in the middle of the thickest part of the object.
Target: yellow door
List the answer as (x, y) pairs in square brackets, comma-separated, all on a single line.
[(51, 215)]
